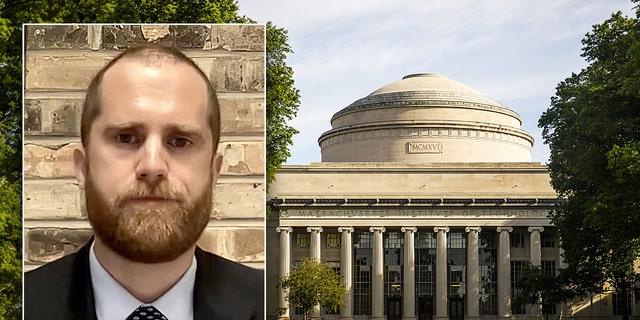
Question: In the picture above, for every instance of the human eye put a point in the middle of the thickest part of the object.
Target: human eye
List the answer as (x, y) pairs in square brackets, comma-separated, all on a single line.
[(180, 142), (126, 138)]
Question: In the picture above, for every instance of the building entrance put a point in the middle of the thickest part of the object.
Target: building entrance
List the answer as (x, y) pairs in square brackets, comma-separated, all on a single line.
[(394, 308), (456, 307), (425, 307)]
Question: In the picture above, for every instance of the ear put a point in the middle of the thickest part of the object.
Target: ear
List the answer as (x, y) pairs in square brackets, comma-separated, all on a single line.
[(216, 164), (79, 159)]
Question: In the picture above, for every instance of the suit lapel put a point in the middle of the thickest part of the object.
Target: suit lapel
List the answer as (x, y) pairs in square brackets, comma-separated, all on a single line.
[(81, 294), (204, 299)]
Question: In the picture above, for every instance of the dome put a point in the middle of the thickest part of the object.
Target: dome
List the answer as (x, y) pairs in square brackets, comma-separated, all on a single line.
[(426, 118)]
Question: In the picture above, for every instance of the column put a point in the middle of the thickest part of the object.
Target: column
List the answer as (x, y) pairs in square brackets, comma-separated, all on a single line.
[(346, 270), (315, 253), (441, 272), (285, 266), (377, 276), (534, 241), (536, 259), (409, 290), (315, 241), (504, 273), (473, 281)]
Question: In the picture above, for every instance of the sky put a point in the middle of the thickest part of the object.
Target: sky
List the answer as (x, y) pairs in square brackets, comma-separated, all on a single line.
[(515, 52)]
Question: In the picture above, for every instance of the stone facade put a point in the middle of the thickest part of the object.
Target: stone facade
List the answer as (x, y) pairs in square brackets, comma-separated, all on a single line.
[(422, 221), (60, 61)]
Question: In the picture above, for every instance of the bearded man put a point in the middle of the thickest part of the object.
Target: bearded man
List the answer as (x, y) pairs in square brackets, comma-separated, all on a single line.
[(148, 163)]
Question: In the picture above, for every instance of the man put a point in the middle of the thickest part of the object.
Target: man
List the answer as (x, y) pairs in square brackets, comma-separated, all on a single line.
[(150, 129)]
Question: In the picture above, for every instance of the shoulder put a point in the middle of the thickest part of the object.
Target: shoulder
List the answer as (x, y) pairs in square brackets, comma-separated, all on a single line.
[(227, 289), (52, 290), (49, 272), (216, 267)]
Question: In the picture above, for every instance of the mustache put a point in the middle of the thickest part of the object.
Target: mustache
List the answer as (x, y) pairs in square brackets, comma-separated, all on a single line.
[(143, 190)]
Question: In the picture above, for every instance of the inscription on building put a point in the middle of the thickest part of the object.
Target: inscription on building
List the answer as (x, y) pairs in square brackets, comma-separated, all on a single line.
[(415, 213), (425, 147)]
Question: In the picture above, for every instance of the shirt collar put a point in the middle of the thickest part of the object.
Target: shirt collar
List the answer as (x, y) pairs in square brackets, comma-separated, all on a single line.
[(114, 302)]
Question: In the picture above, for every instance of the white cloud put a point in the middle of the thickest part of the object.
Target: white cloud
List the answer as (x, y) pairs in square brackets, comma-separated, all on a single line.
[(513, 51)]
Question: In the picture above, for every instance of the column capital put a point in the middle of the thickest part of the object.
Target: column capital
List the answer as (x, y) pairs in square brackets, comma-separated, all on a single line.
[(346, 229), (507, 229), (438, 229), (284, 229), (475, 229), (409, 229), (532, 229), (377, 229), (315, 229)]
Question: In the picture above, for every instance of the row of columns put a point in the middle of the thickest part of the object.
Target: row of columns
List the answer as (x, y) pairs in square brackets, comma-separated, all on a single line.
[(473, 285)]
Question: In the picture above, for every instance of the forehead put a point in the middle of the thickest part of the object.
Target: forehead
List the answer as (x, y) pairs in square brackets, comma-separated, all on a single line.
[(164, 91)]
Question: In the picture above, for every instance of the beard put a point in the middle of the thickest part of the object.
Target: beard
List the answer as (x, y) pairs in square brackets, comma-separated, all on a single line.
[(159, 232)]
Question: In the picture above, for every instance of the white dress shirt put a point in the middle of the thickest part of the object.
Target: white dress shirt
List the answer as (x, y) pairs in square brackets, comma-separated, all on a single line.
[(114, 302)]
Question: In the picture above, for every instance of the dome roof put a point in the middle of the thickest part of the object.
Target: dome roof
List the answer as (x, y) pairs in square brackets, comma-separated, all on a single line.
[(438, 89), (426, 117), (426, 81)]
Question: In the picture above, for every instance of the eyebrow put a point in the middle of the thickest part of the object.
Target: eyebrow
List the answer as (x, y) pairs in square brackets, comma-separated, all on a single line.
[(189, 130)]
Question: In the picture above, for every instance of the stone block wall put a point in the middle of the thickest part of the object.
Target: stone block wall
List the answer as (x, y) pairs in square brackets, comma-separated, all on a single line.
[(61, 60)]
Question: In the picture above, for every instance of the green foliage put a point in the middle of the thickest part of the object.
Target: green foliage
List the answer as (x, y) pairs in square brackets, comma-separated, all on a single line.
[(10, 172), (136, 11), (10, 251), (538, 287), (283, 100), (593, 130), (312, 284)]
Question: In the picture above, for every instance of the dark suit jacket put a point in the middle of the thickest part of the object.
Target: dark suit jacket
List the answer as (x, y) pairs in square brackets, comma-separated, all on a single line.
[(223, 289)]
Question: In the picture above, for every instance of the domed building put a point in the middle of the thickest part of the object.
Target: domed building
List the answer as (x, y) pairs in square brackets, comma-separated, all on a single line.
[(426, 118), (426, 202)]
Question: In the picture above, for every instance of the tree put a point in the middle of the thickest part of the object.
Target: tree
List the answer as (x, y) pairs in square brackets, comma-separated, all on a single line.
[(10, 175), (593, 131), (537, 287), (312, 284), (282, 101)]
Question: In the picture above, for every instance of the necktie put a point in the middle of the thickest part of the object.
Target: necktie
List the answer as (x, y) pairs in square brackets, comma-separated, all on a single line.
[(146, 313)]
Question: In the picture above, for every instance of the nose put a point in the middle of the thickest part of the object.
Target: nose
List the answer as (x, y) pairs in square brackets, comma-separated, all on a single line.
[(152, 164)]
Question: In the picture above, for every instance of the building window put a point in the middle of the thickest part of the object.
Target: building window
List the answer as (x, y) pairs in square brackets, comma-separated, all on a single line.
[(548, 308), (333, 240), (363, 240), (516, 272), (302, 240), (456, 240), (549, 267), (393, 265), (335, 266), (362, 254), (425, 257), (517, 240), (487, 258), (393, 240), (548, 241), (425, 240)]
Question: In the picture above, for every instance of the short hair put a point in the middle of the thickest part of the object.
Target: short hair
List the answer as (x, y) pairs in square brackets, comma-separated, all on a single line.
[(149, 54)]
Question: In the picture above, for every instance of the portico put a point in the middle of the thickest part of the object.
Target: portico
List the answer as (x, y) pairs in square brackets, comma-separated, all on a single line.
[(437, 287)]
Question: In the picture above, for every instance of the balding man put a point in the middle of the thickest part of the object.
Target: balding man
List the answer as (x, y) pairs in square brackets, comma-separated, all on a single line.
[(148, 163)]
